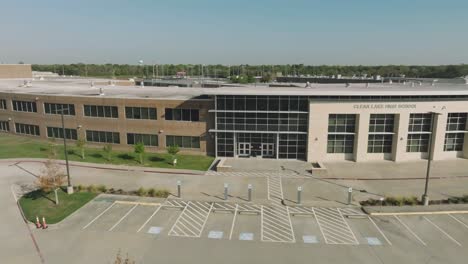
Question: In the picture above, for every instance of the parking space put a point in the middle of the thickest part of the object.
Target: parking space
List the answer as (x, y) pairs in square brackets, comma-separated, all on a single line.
[(271, 223)]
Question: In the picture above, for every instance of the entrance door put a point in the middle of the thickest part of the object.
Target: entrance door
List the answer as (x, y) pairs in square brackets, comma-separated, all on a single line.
[(243, 149), (268, 149)]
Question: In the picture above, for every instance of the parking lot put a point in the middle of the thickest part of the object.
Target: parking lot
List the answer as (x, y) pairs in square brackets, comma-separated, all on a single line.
[(268, 223)]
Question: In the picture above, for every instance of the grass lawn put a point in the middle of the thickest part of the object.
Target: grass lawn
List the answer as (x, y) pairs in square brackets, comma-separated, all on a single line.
[(13, 146), (37, 203)]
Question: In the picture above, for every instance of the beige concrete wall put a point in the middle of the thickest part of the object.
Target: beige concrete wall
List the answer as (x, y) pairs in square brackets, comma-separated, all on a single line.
[(161, 127), (13, 71), (318, 129)]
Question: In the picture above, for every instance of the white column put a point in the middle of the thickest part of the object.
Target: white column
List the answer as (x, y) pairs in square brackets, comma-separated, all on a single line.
[(401, 136), (361, 137), (438, 138)]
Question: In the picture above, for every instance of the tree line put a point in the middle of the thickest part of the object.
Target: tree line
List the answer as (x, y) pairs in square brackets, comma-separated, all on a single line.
[(230, 71)]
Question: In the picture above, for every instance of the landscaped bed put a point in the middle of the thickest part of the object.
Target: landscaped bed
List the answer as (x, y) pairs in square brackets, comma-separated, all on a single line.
[(24, 147), (412, 200), (41, 204)]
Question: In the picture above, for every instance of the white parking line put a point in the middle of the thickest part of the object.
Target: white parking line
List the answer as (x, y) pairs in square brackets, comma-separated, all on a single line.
[(96, 218), (123, 217), (380, 231), (442, 231), (458, 220), (149, 219), (233, 221), (411, 231)]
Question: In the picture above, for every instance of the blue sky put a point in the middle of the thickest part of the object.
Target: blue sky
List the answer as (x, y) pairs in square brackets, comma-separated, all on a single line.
[(347, 32)]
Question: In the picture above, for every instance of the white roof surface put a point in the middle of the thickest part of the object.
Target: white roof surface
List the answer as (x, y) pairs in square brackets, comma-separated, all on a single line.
[(82, 87)]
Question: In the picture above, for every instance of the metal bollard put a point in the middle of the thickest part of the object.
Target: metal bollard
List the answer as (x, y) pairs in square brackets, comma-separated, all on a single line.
[(299, 194), (249, 192), (179, 183), (350, 195), (226, 191)]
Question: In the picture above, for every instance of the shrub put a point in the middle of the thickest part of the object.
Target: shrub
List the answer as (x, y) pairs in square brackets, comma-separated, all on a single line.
[(80, 188), (162, 193), (111, 190), (141, 192), (413, 200), (152, 192), (92, 188), (102, 188)]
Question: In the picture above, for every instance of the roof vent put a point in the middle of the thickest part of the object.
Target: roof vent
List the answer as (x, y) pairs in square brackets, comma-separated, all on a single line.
[(412, 84), (466, 79), (367, 85), (390, 81), (307, 85), (434, 82), (92, 84), (347, 84), (101, 91)]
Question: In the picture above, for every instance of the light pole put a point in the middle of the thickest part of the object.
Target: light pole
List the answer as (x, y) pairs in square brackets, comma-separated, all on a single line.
[(69, 186), (425, 198)]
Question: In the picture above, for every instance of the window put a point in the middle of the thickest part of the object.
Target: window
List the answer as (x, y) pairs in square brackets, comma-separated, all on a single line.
[(417, 142), (24, 106), (146, 139), (456, 122), (183, 141), (3, 104), (101, 111), (4, 126), (381, 123), (262, 103), (420, 122), (55, 109), (454, 141), (341, 123), (140, 113), (27, 129), (379, 143), (380, 137), (57, 132), (179, 114), (102, 137), (341, 128), (340, 143)]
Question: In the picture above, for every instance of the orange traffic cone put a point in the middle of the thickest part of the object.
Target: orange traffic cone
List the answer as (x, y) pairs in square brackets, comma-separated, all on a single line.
[(44, 224), (38, 224)]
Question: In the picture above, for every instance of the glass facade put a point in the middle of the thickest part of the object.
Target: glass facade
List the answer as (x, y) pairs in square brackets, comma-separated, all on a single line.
[(261, 126)]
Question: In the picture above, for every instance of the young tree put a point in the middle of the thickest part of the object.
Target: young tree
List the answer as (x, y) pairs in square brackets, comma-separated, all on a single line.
[(51, 178), (108, 150), (80, 144), (173, 150), (52, 149), (140, 150)]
